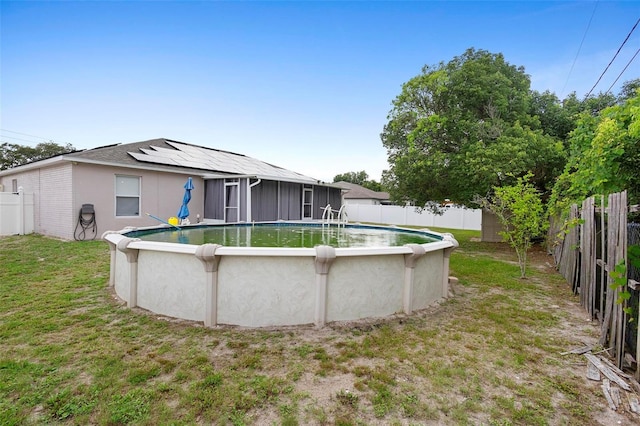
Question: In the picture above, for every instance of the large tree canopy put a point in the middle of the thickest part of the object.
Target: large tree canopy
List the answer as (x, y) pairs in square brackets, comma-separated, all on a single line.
[(605, 154), (13, 155), (463, 127)]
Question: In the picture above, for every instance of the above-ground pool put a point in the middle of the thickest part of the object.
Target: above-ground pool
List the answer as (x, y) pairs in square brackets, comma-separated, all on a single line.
[(291, 235), (279, 274)]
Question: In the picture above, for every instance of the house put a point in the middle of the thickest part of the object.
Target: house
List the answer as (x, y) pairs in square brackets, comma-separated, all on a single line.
[(124, 182), (356, 194)]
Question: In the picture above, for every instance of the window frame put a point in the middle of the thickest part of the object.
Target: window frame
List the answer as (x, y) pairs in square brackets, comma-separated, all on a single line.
[(127, 196), (307, 190), (229, 185)]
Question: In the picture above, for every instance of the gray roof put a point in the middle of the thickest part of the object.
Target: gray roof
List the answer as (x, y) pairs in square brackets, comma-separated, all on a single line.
[(355, 191), (172, 155), (118, 155)]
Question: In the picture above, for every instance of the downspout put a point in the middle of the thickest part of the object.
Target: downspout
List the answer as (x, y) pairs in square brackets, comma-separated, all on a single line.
[(249, 196)]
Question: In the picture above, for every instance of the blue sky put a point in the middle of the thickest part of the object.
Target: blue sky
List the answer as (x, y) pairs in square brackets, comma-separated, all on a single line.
[(303, 85)]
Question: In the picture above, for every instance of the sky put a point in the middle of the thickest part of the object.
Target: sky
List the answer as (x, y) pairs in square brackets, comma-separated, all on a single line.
[(300, 84)]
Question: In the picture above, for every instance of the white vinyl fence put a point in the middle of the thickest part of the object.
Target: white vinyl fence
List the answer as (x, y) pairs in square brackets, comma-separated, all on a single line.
[(16, 213), (452, 217)]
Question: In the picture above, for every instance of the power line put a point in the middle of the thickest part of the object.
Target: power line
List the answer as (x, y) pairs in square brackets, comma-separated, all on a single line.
[(24, 134), (18, 139), (613, 59), (579, 49), (41, 139), (623, 70)]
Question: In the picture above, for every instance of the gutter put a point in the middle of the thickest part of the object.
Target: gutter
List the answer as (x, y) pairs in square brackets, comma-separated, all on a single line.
[(311, 181), (53, 161)]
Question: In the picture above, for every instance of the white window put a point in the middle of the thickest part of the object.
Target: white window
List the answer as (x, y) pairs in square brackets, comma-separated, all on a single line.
[(127, 195)]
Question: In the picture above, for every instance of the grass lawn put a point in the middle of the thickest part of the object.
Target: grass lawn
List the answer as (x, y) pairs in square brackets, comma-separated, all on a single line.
[(71, 353)]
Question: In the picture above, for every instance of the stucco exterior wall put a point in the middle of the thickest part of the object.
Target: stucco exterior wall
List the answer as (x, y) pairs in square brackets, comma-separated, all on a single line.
[(51, 187), (61, 189), (161, 195)]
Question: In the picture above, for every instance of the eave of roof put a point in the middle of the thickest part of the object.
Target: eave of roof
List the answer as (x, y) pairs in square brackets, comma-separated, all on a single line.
[(35, 165), (147, 155), (273, 178), (111, 155)]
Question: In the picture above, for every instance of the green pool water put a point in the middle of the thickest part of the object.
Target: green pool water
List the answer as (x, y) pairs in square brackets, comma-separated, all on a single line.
[(294, 236)]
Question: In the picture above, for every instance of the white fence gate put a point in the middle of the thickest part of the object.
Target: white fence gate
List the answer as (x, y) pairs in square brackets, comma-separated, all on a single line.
[(16, 213), (452, 217)]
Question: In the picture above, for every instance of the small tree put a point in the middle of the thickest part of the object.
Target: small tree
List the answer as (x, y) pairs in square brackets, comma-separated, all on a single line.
[(519, 209)]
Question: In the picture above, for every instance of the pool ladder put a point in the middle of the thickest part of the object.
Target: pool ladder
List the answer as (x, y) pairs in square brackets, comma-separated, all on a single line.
[(338, 217)]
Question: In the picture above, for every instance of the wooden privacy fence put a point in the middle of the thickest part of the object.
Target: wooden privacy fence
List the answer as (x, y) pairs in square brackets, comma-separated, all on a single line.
[(590, 254)]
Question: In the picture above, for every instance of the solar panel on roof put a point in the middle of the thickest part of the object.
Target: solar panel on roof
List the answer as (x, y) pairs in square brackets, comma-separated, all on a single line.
[(153, 159), (154, 152), (214, 160), (184, 147)]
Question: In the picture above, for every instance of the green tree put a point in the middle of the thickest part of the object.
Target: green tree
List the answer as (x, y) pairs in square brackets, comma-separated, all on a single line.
[(460, 128), (629, 90), (604, 156), (555, 118), (13, 155), (520, 211), (591, 105), (594, 104), (360, 178)]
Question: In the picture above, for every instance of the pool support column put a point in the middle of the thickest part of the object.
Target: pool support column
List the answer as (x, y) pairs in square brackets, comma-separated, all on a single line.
[(325, 255), (445, 267), (132, 260), (112, 258), (417, 251), (206, 253)]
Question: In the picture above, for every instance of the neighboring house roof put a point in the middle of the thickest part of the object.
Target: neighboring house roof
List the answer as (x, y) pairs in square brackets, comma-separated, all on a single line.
[(355, 191), (169, 155)]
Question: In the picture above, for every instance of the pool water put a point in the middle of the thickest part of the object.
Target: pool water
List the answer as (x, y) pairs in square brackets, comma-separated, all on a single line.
[(291, 236)]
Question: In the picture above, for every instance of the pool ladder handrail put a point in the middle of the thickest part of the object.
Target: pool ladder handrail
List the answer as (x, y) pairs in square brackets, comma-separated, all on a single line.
[(341, 217)]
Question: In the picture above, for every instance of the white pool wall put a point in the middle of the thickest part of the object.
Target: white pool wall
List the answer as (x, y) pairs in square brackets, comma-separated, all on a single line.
[(260, 287)]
